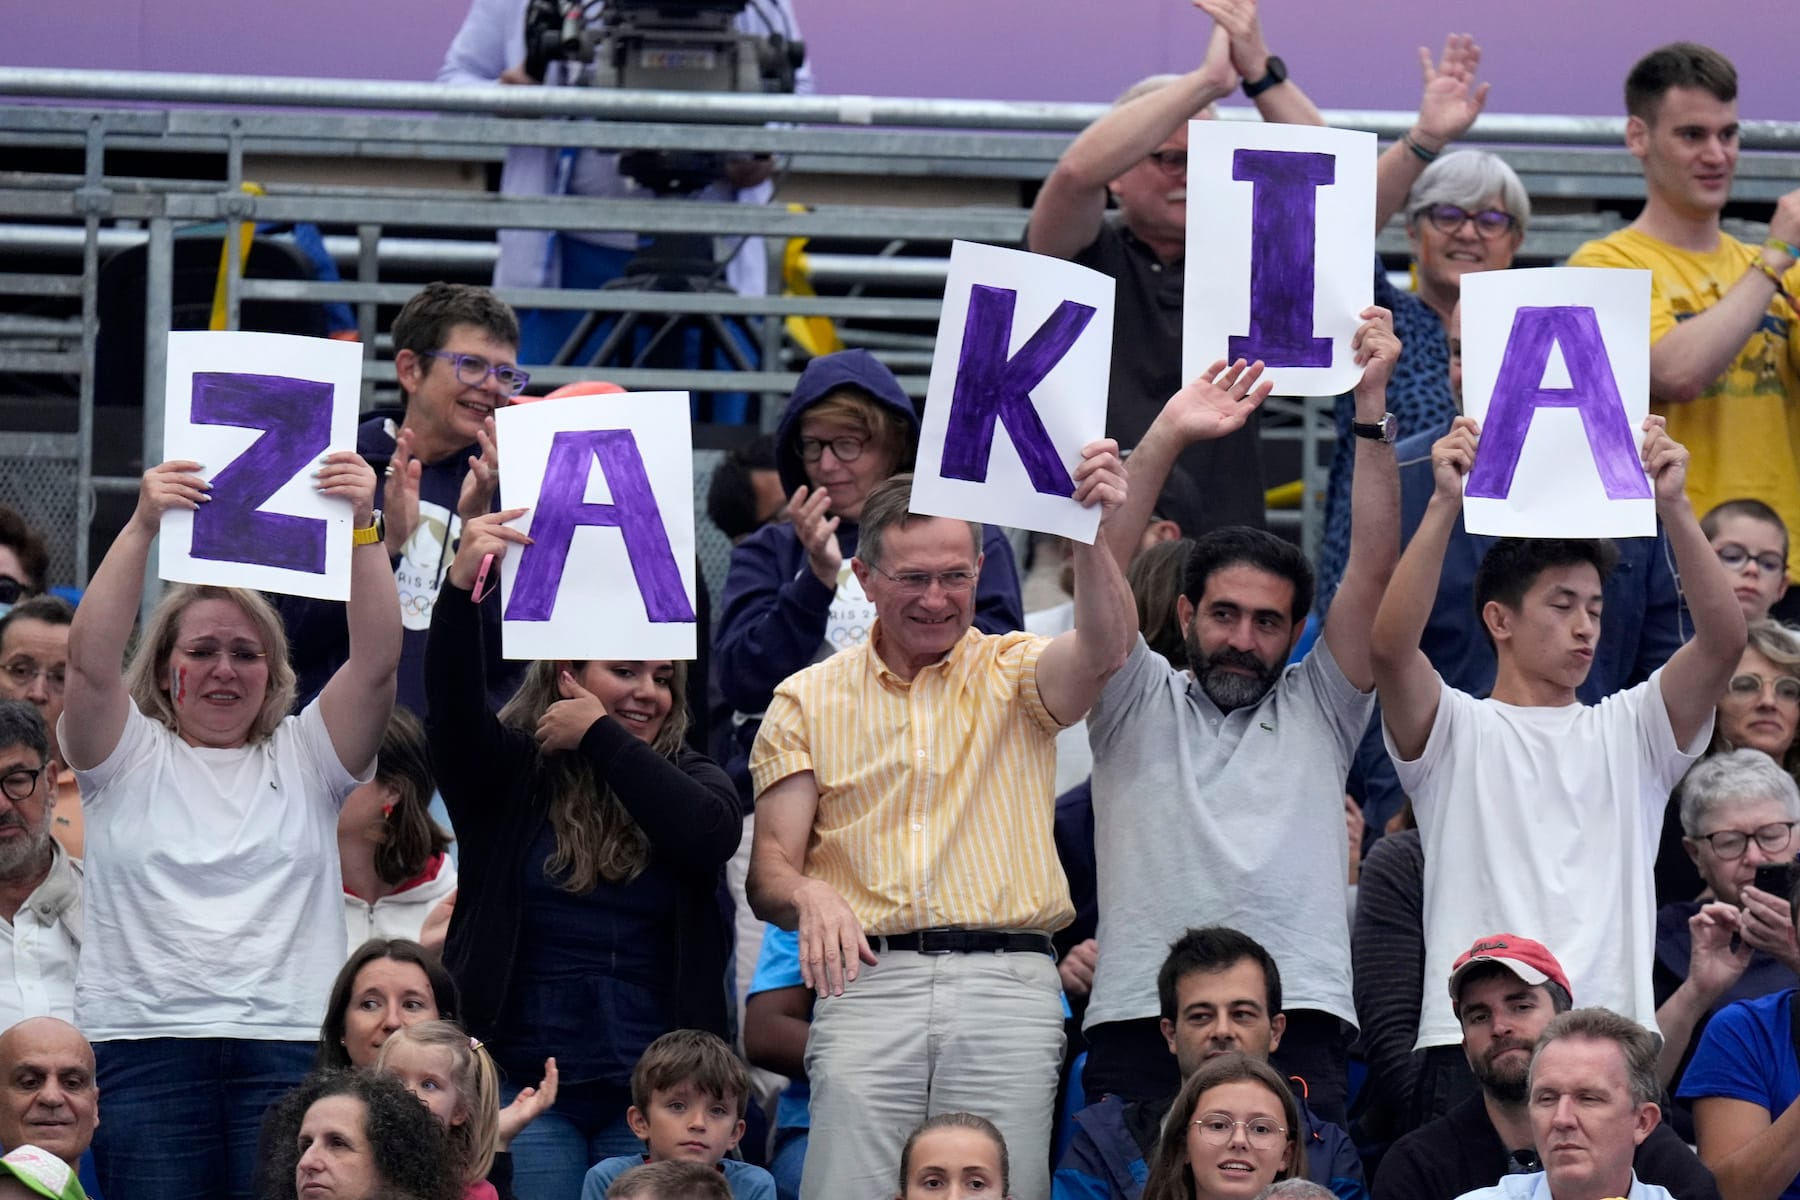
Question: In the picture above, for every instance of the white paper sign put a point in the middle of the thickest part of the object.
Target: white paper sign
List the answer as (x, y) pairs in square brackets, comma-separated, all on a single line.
[(1556, 368), (1018, 387), (1280, 251), (609, 480), (258, 411)]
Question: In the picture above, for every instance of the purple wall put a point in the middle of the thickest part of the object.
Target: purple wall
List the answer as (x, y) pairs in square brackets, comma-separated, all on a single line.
[(1545, 56)]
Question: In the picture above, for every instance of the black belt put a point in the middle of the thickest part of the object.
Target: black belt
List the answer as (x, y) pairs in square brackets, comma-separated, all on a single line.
[(967, 941)]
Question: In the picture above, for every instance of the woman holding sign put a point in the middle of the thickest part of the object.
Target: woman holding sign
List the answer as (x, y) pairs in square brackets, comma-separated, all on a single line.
[(214, 903), (593, 840)]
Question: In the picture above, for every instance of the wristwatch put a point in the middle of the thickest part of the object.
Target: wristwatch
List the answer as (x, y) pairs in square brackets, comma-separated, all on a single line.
[(1385, 430), (374, 531), (1277, 73)]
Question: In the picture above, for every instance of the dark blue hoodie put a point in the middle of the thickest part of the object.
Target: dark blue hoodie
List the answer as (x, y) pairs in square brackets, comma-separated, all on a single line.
[(773, 614)]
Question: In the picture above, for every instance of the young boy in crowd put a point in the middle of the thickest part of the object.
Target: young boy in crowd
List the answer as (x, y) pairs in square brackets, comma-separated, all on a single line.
[(670, 1181), (1751, 539), (688, 1097)]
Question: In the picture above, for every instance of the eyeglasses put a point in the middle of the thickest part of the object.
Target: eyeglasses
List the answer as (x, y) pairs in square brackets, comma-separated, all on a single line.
[(11, 590), (845, 449), (1787, 688), (23, 672), (1263, 1133), (474, 370), (1170, 162), (919, 582), (241, 656), (1489, 222), (1735, 556), (20, 783), (1730, 844)]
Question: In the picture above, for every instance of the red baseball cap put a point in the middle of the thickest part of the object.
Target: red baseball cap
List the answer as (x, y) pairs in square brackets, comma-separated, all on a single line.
[(1527, 959)]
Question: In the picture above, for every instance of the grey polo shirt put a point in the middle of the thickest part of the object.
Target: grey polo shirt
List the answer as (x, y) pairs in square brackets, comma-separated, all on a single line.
[(1210, 818)]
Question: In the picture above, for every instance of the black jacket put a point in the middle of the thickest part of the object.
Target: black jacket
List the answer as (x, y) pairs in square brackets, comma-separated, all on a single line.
[(489, 778)]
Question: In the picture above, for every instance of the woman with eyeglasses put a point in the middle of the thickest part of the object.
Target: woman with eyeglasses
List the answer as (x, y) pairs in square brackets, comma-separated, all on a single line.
[(1233, 1131), (214, 903), (1465, 211), (790, 598), (593, 840), (1739, 810)]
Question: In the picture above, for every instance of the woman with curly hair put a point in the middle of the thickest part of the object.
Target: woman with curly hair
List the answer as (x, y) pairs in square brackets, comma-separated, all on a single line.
[(593, 843), (1233, 1131), (353, 1135)]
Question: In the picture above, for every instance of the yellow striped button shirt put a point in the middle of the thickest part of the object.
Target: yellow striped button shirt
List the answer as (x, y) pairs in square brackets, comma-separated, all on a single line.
[(936, 797)]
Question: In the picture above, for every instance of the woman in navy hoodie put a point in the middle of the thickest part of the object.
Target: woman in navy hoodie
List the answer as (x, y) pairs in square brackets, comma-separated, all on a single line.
[(791, 599)]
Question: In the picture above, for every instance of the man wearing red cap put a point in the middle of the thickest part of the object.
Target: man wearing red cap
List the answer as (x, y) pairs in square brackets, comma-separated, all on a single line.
[(1505, 989)]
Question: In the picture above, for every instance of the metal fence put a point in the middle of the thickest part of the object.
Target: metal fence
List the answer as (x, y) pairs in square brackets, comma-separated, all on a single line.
[(879, 297)]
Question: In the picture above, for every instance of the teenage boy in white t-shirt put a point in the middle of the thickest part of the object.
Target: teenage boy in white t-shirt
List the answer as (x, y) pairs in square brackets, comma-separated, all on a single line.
[(1538, 814)]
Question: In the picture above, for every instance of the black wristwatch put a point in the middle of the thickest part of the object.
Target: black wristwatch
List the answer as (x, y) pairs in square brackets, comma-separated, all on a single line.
[(1385, 430), (1277, 73)]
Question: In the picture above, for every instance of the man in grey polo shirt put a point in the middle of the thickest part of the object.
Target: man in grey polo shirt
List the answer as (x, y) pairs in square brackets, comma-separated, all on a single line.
[(1218, 790)]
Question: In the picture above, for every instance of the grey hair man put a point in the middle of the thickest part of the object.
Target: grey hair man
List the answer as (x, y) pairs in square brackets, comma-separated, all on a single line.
[(40, 885), (48, 1097), (1592, 1095)]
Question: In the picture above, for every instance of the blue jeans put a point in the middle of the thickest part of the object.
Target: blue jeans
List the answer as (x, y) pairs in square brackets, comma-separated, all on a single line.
[(551, 1156), (184, 1115), (787, 1160)]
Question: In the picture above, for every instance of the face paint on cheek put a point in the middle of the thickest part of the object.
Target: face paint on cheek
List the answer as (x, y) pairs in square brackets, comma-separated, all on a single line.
[(180, 686)]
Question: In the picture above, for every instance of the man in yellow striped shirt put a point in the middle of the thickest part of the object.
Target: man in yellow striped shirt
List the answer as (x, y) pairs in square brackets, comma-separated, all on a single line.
[(904, 815)]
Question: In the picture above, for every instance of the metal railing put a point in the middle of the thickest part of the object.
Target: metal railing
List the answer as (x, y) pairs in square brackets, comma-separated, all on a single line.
[(90, 214)]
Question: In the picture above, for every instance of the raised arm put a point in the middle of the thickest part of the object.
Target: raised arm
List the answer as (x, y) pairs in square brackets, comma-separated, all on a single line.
[(1077, 664), (1451, 102), (1696, 674), (1066, 217), (832, 945), (1283, 103), (1404, 678), (772, 617), (95, 701), (357, 701), (1217, 403), (1374, 506)]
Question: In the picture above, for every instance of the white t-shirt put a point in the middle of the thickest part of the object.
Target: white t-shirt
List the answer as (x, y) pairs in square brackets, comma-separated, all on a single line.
[(1544, 822), (214, 898)]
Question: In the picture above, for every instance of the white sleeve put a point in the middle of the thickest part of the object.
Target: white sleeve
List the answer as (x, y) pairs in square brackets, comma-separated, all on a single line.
[(136, 741), (481, 48), (1418, 776), (320, 756), (1656, 735)]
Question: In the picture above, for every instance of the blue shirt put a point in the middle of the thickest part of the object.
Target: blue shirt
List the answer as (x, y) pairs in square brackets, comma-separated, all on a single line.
[(1747, 1053), (779, 967), (747, 1182)]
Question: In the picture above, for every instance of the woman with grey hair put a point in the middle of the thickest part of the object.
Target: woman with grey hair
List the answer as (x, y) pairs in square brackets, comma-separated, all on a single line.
[(1465, 211), (1739, 809)]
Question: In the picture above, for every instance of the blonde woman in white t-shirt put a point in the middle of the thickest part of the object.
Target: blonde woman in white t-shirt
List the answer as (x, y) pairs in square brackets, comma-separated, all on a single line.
[(215, 911)]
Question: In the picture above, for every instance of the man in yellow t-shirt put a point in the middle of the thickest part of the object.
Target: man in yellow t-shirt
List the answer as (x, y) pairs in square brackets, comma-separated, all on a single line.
[(1724, 331)]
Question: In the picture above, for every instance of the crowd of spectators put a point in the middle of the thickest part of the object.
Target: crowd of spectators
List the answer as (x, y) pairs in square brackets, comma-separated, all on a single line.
[(1562, 959)]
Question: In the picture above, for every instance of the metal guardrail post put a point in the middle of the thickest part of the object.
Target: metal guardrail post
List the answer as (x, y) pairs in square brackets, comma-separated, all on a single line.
[(368, 270), (92, 200), (159, 285)]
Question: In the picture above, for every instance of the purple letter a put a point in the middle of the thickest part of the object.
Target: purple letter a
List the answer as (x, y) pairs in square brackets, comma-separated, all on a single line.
[(1519, 393), (1284, 216), (560, 508), (990, 385)]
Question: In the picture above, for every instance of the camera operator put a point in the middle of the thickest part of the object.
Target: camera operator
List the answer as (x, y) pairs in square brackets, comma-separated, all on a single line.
[(490, 48)]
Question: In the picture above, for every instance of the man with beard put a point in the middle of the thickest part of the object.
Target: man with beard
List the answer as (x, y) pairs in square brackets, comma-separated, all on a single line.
[(40, 885), (1220, 994), (1218, 790), (1505, 989)]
